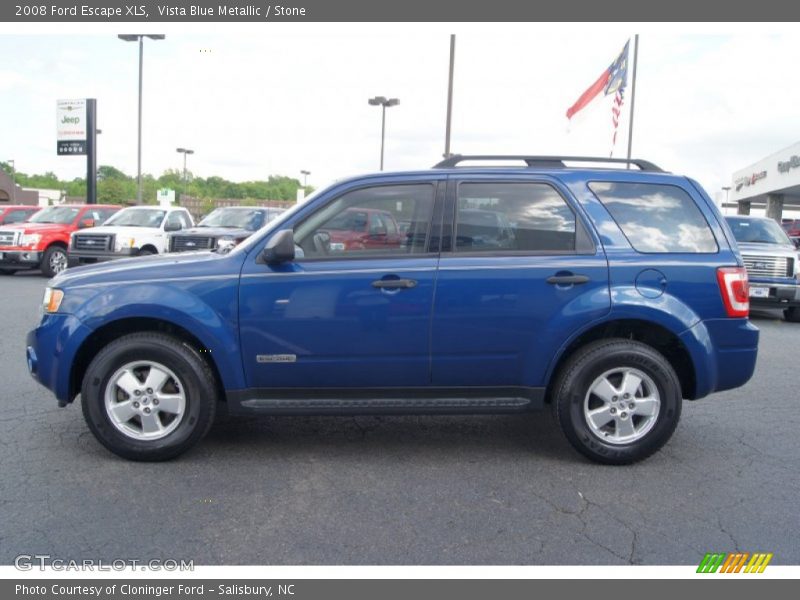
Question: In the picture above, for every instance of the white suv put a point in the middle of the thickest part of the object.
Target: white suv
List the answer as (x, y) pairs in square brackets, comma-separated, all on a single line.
[(133, 231)]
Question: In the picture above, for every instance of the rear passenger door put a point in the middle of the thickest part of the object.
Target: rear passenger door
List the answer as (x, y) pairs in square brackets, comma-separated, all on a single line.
[(519, 271)]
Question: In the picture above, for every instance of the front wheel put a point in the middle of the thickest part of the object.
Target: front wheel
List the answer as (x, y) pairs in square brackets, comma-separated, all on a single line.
[(54, 261), (148, 396), (792, 314), (617, 401)]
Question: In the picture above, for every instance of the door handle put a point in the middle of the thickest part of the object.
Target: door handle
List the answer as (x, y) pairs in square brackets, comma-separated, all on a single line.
[(394, 284), (567, 279)]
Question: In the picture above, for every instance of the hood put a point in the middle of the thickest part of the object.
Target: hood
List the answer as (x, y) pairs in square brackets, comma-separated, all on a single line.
[(215, 232), (36, 227), (142, 269), (121, 230), (753, 248)]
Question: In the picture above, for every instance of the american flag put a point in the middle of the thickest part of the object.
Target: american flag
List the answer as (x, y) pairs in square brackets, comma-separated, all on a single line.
[(612, 81)]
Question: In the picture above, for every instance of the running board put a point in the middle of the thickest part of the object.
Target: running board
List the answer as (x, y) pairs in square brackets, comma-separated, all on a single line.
[(385, 401)]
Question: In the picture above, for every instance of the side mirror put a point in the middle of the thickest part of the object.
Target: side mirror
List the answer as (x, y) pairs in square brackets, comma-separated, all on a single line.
[(172, 227), (280, 248), (86, 223)]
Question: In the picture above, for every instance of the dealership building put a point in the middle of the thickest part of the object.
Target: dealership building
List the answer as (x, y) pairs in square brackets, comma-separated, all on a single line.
[(772, 183)]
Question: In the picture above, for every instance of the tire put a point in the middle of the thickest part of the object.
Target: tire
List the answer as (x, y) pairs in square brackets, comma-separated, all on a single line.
[(145, 252), (160, 433), (629, 434), (54, 261), (7, 271), (792, 314)]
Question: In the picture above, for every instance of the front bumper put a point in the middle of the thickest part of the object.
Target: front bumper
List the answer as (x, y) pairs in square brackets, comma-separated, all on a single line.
[(779, 295), (50, 352), (20, 259), (83, 257)]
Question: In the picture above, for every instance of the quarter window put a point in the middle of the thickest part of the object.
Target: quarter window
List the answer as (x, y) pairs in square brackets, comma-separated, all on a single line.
[(656, 218), (514, 217)]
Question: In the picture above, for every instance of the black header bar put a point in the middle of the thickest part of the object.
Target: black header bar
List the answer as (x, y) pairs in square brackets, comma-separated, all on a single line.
[(175, 11)]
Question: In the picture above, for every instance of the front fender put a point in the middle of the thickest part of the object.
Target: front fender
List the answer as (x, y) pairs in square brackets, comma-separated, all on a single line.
[(188, 307)]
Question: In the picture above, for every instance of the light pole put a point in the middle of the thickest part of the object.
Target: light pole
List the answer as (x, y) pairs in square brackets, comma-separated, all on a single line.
[(305, 175), (13, 164), (726, 189), (139, 37), (383, 103), (184, 151)]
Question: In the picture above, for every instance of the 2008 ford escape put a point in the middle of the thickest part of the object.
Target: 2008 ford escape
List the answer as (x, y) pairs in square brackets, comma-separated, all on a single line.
[(610, 294)]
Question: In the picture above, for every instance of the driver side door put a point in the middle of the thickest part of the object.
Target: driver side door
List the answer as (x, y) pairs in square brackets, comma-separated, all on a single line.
[(345, 314)]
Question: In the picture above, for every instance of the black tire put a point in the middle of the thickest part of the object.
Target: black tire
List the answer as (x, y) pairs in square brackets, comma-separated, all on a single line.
[(570, 392), (792, 314), (53, 257), (195, 378), (145, 252), (7, 271)]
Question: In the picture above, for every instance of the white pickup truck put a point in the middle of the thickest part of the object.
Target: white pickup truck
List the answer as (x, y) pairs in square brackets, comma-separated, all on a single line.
[(133, 231)]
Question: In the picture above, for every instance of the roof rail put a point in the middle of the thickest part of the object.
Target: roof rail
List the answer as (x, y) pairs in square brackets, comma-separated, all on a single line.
[(549, 162)]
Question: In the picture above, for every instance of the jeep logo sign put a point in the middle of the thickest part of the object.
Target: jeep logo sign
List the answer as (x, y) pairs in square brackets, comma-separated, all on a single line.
[(71, 127)]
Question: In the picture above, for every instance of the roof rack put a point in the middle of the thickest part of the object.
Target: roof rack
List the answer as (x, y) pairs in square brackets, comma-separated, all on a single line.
[(549, 162)]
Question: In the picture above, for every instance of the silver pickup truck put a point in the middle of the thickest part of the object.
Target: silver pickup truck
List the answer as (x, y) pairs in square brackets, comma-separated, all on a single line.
[(771, 260)]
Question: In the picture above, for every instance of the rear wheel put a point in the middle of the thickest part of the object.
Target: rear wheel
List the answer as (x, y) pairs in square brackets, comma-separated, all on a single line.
[(617, 401), (7, 271), (792, 314), (54, 261), (145, 252), (148, 396)]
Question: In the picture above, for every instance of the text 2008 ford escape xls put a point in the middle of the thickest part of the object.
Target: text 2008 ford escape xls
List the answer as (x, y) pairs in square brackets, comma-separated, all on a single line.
[(609, 294)]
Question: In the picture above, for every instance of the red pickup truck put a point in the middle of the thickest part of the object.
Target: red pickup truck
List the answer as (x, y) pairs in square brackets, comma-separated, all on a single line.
[(363, 229), (41, 242)]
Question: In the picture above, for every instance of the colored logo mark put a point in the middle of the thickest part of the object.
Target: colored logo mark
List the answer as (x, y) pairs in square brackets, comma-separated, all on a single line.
[(734, 562)]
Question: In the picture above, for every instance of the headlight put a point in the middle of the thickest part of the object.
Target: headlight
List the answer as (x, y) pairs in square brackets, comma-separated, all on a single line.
[(226, 244), (30, 239), (123, 241), (52, 300)]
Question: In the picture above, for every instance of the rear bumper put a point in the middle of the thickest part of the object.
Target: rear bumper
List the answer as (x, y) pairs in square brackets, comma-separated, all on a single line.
[(20, 259), (724, 352)]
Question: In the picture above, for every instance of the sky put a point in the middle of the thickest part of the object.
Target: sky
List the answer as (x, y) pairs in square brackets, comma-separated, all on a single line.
[(258, 99)]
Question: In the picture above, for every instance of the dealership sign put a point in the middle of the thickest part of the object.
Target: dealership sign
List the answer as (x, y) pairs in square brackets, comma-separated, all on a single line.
[(749, 180), (786, 166), (71, 127)]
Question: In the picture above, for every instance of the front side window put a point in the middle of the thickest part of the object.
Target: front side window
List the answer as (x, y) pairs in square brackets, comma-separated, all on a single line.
[(656, 218), (513, 217), (365, 222)]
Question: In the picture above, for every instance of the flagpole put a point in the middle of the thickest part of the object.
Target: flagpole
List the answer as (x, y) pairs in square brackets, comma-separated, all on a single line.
[(633, 95), (450, 96)]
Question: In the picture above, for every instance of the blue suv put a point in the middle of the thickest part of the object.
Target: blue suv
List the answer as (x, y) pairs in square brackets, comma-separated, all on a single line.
[(609, 294)]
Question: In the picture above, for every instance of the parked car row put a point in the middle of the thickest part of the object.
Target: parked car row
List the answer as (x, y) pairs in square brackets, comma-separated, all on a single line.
[(57, 237)]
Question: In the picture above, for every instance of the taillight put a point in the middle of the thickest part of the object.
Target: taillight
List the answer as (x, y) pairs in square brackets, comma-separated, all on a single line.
[(735, 290)]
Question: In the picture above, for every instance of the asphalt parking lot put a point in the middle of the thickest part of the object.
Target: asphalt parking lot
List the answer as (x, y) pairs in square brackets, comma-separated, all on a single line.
[(401, 490)]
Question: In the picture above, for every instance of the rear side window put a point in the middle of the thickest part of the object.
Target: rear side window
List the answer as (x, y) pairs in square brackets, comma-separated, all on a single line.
[(656, 218), (521, 217)]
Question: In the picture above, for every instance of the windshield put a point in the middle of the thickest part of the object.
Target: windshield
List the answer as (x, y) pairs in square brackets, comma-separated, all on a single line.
[(137, 217), (758, 231), (62, 215), (238, 218)]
